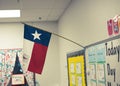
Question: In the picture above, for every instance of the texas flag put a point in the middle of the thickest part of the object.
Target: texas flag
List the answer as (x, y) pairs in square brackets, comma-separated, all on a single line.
[(36, 43)]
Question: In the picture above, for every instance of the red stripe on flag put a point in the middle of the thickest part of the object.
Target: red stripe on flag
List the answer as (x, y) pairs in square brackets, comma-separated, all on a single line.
[(37, 58)]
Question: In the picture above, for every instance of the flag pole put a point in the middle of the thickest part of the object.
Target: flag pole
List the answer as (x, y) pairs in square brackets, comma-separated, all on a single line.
[(68, 40), (58, 36), (34, 79)]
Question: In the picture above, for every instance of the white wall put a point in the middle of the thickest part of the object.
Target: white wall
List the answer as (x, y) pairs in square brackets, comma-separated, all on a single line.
[(11, 36), (85, 22)]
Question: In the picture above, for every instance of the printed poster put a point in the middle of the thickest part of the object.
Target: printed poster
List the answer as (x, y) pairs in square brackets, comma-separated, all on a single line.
[(73, 79), (92, 55), (93, 83), (101, 72), (18, 79), (100, 53), (78, 68), (101, 84), (96, 66), (92, 69), (72, 69), (79, 81)]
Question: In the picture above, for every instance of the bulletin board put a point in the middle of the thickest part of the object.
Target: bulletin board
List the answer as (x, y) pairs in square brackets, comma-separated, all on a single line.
[(7, 64), (76, 69), (102, 62), (7, 61)]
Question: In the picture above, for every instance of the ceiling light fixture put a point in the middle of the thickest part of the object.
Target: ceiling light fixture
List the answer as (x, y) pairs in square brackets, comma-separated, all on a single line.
[(9, 13)]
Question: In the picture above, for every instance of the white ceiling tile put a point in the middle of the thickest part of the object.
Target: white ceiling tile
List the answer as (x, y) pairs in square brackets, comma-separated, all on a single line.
[(33, 19), (9, 4), (52, 18), (31, 10), (10, 20), (35, 12), (43, 13), (56, 12), (30, 4), (61, 3)]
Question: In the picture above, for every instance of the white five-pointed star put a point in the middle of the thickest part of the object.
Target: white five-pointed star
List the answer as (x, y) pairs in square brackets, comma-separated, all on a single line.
[(36, 35)]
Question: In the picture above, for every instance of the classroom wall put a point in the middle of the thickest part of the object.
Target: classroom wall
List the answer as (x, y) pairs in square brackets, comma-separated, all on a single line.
[(85, 22), (11, 36)]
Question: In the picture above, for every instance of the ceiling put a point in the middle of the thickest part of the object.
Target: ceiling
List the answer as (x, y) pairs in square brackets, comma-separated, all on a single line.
[(35, 10)]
